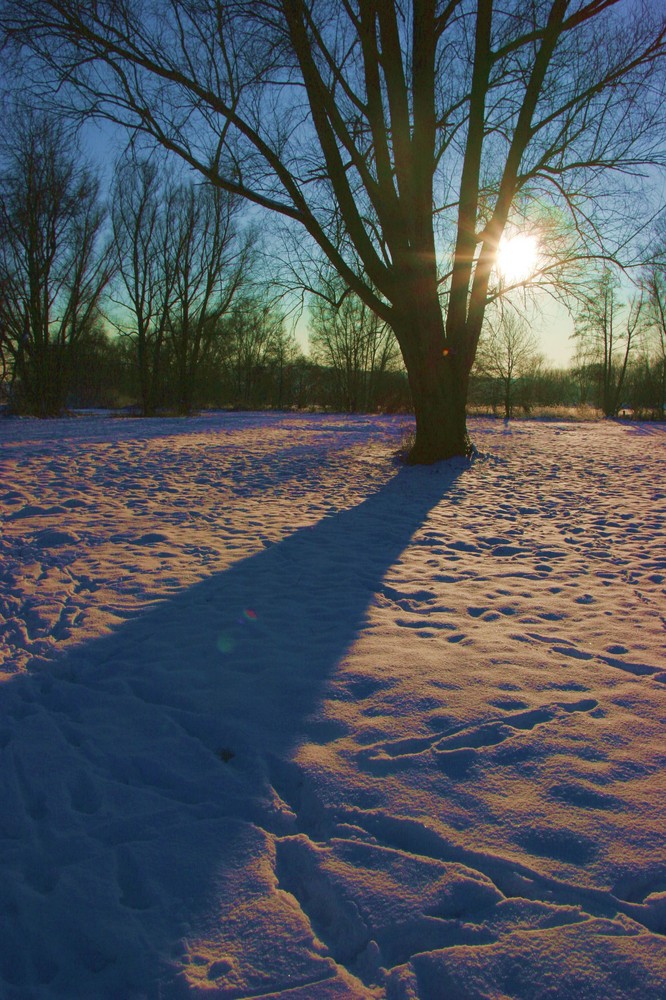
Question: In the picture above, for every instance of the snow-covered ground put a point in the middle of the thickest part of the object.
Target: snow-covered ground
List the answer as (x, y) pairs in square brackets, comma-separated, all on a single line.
[(284, 718)]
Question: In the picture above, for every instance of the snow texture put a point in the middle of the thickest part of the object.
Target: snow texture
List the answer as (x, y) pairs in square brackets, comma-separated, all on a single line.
[(282, 717)]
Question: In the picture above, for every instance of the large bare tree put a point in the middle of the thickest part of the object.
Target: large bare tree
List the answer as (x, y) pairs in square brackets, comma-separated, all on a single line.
[(405, 136)]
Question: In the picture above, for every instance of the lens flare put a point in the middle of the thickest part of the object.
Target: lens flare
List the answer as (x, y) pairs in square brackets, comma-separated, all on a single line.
[(225, 642)]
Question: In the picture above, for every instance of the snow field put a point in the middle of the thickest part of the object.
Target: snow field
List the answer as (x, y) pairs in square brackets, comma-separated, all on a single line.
[(284, 718)]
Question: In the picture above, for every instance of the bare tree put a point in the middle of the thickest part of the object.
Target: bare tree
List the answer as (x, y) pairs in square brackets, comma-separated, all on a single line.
[(6, 352), (211, 260), (420, 131), (653, 361), (348, 338), (52, 268), (181, 258), (508, 353), (284, 361), (255, 342), (142, 217), (607, 332)]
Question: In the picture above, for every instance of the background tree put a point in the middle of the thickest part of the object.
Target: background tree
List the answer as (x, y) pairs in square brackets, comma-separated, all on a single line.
[(607, 331), (419, 132), (53, 268), (6, 367), (349, 339), (95, 371), (256, 348), (646, 376), (142, 217), (508, 354), (285, 368), (554, 387), (211, 260)]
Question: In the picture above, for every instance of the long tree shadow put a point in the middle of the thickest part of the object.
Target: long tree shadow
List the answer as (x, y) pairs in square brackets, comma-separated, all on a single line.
[(132, 767)]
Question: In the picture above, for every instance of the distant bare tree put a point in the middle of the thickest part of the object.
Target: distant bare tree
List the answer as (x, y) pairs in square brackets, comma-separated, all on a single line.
[(6, 367), (181, 257), (508, 352), (607, 331), (52, 266), (653, 360), (284, 358), (349, 339), (142, 219), (211, 258), (420, 131), (254, 342)]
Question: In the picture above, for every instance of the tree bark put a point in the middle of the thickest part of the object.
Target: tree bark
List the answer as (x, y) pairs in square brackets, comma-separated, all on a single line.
[(438, 396), (438, 379)]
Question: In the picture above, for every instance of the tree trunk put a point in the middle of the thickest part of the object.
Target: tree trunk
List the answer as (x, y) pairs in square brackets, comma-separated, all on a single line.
[(507, 399), (438, 379), (144, 376), (439, 408), (42, 388)]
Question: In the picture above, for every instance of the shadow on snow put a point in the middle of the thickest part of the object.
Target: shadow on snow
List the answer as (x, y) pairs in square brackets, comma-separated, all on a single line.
[(129, 764)]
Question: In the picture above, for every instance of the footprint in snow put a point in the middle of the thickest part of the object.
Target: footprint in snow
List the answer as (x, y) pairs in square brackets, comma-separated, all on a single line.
[(84, 794), (508, 704), (355, 688), (457, 751), (150, 538), (51, 538), (584, 797), (135, 892), (561, 845), (637, 669)]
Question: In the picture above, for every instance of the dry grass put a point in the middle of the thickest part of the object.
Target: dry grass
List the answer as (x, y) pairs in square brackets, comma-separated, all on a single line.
[(576, 413)]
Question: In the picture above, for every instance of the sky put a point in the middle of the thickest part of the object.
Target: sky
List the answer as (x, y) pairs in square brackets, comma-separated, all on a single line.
[(553, 325)]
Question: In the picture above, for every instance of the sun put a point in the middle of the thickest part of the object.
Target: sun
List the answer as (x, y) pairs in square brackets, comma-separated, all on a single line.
[(517, 257)]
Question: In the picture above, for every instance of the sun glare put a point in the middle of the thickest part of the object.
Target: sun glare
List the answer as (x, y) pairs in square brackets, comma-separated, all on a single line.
[(517, 258)]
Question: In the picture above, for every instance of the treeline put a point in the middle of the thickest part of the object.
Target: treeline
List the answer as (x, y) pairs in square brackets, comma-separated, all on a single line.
[(619, 362), (160, 302), (257, 365), (245, 371), (575, 388)]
